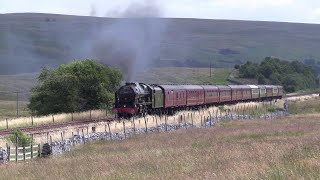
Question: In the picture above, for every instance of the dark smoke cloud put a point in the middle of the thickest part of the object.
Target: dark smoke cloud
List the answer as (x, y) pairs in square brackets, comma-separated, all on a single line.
[(132, 42)]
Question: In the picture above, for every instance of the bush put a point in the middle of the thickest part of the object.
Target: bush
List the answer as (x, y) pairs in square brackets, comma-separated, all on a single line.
[(19, 138)]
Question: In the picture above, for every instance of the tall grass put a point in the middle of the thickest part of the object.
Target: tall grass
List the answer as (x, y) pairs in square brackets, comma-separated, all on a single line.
[(65, 117), (285, 148)]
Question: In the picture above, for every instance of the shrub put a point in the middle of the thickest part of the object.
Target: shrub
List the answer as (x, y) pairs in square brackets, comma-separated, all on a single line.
[(20, 139)]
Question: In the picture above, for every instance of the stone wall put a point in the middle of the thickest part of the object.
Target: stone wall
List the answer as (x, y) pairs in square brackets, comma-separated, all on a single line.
[(66, 145), (3, 155)]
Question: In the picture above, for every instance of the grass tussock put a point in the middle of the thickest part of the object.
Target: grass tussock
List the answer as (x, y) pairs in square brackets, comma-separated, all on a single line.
[(286, 148)]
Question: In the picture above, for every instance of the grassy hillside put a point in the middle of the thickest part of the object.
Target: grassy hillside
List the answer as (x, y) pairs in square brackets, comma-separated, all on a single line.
[(274, 149), (176, 75), (30, 41)]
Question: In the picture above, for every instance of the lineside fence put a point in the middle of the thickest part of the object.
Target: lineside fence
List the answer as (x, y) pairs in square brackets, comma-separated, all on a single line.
[(51, 119)]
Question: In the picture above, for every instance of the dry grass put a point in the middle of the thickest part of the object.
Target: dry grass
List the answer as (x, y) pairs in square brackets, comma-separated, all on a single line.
[(305, 106), (274, 149), (27, 121), (197, 118)]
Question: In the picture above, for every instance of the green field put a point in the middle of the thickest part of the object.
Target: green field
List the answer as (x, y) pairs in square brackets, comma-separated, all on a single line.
[(8, 109)]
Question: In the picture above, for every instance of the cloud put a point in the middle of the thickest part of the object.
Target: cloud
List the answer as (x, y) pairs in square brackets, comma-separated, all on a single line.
[(315, 15)]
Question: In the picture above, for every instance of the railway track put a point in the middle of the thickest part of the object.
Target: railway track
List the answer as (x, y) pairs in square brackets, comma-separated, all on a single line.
[(36, 129)]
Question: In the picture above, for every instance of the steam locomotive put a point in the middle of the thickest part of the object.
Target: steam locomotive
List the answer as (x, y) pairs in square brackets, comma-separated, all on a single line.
[(141, 99)]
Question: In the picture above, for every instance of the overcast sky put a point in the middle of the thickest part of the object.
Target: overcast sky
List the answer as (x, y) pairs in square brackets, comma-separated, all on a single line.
[(307, 11)]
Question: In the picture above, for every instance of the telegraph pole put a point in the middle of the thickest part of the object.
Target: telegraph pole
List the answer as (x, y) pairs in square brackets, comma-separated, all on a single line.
[(210, 70), (17, 103)]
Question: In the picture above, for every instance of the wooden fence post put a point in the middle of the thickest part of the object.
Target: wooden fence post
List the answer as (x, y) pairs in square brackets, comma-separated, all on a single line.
[(157, 124), (145, 123), (180, 121), (39, 150), (72, 116), (31, 120), (24, 153), (7, 123), (83, 137), (61, 137), (16, 153), (47, 136), (109, 131), (52, 118), (124, 129), (134, 126), (90, 114), (31, 151), (165, 122), (8, 151), (201, 121)]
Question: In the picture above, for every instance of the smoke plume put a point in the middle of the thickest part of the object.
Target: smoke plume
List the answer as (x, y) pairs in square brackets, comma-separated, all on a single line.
[(132, 41)]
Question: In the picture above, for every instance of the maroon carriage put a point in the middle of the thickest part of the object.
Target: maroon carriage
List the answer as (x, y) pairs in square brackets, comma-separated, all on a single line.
[(236, 92), (174, 95), (195, 95), (246, 92), (211, 94), (269, 89), (280, 91), (224, 93)]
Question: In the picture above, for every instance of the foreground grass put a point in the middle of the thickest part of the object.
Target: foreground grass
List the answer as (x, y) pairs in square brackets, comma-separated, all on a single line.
[(274, 149)]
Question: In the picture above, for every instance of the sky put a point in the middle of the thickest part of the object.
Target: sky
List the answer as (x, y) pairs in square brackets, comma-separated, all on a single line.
[(304, 11)]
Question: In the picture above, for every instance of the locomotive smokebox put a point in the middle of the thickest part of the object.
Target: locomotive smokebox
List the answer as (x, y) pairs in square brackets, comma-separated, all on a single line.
[(131, 83)]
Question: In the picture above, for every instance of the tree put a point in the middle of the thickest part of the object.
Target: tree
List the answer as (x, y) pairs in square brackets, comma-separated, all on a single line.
[(292, 75), (261, 79), (79, 86)]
